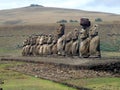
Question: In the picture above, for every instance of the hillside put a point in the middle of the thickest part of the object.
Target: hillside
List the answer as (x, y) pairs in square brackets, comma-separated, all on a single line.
[(18, 24), (41, 14)]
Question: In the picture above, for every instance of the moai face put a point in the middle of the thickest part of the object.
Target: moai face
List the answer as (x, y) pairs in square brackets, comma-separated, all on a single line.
[(76, 32), (93, 31), (83, 34), (42, 40), (49, 41)]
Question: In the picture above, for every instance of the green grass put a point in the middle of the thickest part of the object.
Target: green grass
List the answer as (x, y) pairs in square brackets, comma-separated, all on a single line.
[(6, 74), (17, 81), (31, 83), (110, 54), (110, 47), (105, 83), (10, 52), (11, 37)]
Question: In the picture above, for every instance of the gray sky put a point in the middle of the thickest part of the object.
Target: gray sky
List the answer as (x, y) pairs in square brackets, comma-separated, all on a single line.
[(112, 6)]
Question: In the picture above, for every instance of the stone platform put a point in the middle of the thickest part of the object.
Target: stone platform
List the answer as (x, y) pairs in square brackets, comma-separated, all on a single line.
[(72, 62)]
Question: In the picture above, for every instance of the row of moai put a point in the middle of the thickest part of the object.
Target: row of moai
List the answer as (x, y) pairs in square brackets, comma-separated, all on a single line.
[(83, 43)]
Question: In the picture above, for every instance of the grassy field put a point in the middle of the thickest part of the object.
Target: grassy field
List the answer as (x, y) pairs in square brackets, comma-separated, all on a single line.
[(11, 37), (17, 81), (111, 54), (105, 83)]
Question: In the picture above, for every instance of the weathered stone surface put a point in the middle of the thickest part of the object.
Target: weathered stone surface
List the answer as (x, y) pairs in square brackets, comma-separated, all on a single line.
[(62, 68), (57, 73)]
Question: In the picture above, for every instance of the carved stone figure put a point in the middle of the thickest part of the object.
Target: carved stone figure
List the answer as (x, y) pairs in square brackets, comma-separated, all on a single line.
[(61, 30), (68, 44), (61, 45), (84, 44), (94, 48)]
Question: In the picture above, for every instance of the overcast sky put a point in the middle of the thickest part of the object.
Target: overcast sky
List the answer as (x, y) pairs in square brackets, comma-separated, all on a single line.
[(112, 6)]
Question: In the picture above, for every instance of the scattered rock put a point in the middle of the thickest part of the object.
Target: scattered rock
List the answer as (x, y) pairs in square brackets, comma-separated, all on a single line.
[(57, 73)]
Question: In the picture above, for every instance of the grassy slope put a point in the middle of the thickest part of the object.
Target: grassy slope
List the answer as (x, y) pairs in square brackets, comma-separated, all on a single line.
[(17, 81), (37, 15), (31, 21), (11, 37)]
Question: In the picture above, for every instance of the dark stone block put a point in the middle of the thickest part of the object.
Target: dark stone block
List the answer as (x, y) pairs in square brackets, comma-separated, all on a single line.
[(85, 22)]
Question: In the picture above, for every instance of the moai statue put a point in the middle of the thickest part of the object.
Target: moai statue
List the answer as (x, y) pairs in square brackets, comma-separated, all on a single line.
[(54, 47), (84, 44), (75, 42), (94, 48), (26, 47), (41, 43), (84, 38), (61, 40), (61, 46), (49, 44), (85, 23), (61, 30), (68, 44)]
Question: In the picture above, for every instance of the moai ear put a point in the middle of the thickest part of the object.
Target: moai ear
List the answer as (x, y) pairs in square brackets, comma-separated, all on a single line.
[(75, 29), (96, 28)]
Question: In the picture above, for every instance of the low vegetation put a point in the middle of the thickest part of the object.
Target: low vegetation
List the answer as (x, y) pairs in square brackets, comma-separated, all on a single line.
[(98, 20), (73, 21), (105, 83), (62, 21), (17, 81), (111, 54), (11, 37), (106, 46)]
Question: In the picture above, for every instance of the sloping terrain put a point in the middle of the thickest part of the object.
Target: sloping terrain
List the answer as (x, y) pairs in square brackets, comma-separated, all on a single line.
[(11, 37), (18, 24), (40, 14)]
